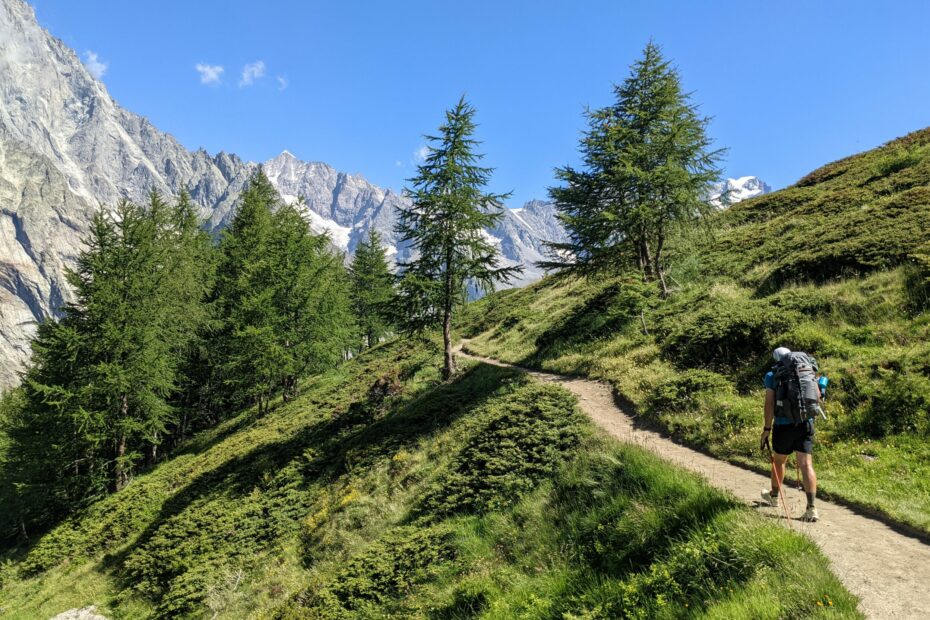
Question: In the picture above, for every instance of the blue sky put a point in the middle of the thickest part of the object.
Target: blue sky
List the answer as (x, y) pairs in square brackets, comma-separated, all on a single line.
[(791, 85)]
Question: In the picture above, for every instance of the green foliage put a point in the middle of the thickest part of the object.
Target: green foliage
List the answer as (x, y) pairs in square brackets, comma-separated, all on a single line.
[(390, 567), (917, 280), (647, 169), (697, 374), (864, 213), (98, 396), (445, 227), (899, 404), (896, 159), (523, 438), (305, 513), (372, 288), (681, 393), (282, 300), (720, 333)]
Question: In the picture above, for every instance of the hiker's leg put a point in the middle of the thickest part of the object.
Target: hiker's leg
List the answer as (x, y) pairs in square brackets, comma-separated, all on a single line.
[(778, 470), (806, 465)]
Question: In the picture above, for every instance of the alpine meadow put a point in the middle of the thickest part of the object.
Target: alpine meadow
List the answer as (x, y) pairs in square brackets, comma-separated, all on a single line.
[(273, 390)]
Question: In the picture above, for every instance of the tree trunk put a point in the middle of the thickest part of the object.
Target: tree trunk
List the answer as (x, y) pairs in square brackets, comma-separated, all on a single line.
[(657, 269), (119, 467), (645, 259), (449, 368), (151, 451), (662, 283)]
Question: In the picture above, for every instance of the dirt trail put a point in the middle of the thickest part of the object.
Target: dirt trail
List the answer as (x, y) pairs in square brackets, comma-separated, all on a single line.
[(888, 571)]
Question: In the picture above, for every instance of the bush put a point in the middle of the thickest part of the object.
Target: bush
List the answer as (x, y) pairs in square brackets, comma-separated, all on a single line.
[(525, 436), (917, 280), (389, 567), (901, 404), (808, 302), (601, 316), (681, 393), (895, 160), (811, 339), (723, 334)]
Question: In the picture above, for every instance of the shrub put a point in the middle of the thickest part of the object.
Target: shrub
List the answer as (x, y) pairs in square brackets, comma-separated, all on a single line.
[(387, 569), (680, 394), (525, 437), (809, 302), (812, 339), (900, 404), (894, 160), (600, 316), (723, 334), (917, 280)]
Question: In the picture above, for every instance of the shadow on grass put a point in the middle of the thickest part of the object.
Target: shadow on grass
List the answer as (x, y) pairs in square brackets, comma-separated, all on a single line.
[(340, 445)]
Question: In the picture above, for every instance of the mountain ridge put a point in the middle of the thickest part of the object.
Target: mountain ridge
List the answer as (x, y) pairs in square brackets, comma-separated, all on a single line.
[(68, 149)]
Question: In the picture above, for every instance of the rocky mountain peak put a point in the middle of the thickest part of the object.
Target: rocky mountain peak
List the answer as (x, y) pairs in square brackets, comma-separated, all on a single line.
[(68, 149)]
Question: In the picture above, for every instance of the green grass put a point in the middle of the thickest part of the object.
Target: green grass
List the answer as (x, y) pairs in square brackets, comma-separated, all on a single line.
[(836, 265), (491, 496), (697, 374)]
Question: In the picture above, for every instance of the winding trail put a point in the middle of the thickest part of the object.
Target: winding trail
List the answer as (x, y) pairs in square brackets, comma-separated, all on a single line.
[(887, 570)]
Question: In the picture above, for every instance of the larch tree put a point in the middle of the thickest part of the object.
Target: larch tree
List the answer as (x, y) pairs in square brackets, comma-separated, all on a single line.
[(648, 168), (445, 226), (97, 396), (311, 298), (372, 287), (246, 352)]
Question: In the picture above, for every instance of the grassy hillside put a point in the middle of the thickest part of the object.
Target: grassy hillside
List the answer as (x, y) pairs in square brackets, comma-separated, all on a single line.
[(824, 266), (381, 492)]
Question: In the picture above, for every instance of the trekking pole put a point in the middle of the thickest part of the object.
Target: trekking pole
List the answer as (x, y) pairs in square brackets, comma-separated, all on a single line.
[(781, 487)]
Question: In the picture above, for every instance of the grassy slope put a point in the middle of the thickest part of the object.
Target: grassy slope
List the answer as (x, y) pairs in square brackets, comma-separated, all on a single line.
[(815, 267), (382, 493)]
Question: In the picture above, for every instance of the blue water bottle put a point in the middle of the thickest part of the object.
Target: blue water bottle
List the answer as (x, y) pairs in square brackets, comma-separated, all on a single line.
[(822, 383)]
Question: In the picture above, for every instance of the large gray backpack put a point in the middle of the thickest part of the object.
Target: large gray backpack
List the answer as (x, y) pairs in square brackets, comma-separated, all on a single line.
[(797, 395)]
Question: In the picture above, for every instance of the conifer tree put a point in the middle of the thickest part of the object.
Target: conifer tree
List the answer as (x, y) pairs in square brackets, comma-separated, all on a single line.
[(282, 296), (445, 226), (247, 355), (97, 393), (372, 287), (648, 167), (311, 298)]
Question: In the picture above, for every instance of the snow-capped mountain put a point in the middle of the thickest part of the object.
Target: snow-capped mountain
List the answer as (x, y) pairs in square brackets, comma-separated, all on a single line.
[(738, 190), (67, 149)]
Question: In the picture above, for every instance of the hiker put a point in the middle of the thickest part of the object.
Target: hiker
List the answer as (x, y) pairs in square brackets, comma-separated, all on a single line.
[(792, 401)]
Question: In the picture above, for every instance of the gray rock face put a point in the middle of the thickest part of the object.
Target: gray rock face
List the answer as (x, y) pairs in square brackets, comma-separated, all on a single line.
[(67, 149)]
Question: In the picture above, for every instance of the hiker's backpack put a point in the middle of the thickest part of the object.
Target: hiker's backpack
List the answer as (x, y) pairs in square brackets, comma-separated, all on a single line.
[(797, 395)]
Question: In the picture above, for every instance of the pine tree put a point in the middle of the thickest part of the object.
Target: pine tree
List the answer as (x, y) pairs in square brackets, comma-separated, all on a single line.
[(372, 287), (648, 167), (445, 226)]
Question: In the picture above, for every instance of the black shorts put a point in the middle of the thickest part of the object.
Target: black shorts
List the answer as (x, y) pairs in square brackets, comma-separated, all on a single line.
[(788, 438)]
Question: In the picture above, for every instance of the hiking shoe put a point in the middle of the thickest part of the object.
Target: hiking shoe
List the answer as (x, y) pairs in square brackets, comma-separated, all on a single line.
[(768, 498), (810, 515)]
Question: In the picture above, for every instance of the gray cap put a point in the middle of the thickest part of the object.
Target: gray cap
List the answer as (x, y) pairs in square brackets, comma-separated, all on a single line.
[(780, 352)]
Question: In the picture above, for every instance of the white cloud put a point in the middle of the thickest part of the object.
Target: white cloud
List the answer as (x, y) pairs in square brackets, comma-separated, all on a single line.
[(282, 82), (399, 163), (209, 74), (252, 72), (93, 63), (420, 154)]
